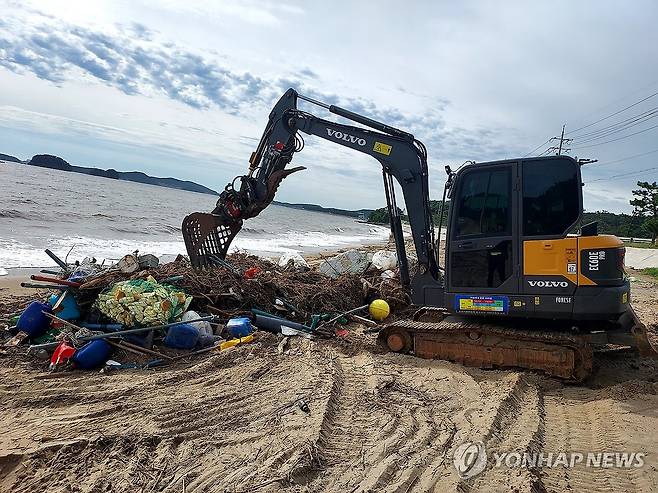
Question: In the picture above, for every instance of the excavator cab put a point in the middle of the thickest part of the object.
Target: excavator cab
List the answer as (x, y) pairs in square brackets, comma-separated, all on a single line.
[(513, 249)]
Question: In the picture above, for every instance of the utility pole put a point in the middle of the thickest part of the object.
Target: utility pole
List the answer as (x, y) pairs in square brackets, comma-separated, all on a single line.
[(559, 148)]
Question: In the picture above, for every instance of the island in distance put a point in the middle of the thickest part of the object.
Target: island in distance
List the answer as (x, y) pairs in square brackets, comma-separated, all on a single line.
[(55, 162)]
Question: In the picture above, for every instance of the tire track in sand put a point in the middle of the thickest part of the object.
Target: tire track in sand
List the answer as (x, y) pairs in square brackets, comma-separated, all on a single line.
[(381, 431), (582, 420), (518, 426)]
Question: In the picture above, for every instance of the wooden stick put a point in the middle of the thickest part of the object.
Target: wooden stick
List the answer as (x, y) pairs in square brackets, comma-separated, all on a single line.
[(125, 348), (146, 350), (61, 320)]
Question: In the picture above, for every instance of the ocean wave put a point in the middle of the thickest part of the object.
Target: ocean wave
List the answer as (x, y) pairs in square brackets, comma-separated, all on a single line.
[(21, 200), (15, 253), (255, 231), (151, 230), (14, 214)]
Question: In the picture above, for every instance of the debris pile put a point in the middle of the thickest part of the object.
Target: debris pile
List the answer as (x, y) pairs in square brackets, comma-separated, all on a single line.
[(139, 314)]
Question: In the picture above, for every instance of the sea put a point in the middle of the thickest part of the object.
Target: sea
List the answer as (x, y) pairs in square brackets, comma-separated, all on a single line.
[(88, 216)]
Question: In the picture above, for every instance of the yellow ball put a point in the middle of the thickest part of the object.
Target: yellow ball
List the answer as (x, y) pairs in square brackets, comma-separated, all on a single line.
[(379, 309)]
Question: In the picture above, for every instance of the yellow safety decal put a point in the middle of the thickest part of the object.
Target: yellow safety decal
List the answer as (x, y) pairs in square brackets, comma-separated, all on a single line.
[(384, 149), (624, 298)]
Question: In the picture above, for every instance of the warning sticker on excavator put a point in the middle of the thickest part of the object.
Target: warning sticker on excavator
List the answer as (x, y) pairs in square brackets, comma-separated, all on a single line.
[(491, 304), (384, 149)]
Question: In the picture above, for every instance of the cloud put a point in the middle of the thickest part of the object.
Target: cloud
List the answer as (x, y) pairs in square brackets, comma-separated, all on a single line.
[(131, 59), (128, 59)]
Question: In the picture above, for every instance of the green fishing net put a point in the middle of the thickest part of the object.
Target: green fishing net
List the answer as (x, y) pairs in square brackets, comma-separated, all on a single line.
[(143, 302)]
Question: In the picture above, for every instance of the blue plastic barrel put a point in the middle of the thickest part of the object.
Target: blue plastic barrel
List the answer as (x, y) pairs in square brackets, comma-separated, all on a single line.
[(92, 355), (32, 321), (239, 327), (69, 307), (182, 336)]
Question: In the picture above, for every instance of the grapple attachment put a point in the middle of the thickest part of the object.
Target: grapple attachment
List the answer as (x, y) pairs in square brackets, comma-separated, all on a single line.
[(208, 237)]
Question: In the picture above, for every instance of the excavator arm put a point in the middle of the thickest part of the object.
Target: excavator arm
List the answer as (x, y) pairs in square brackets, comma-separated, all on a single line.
[(402, 157)]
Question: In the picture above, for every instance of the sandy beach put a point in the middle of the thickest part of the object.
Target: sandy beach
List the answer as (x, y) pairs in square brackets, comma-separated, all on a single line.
[(375, 421)]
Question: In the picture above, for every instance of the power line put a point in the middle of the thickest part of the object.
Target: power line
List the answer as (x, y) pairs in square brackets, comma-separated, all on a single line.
[(615, 113), (613, 103), (559, 148), (606, 163), (624, 174), (602, 132), (619, 126), (540, 145), (615, 140)]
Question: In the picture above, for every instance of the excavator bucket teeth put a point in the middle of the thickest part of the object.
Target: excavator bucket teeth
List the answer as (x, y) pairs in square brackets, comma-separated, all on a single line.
[(208, 236), (484, 345)]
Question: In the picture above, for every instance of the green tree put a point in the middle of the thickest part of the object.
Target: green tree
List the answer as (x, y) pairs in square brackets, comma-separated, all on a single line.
[(646, 201), (380, 216), (651, 225), (645, 204)]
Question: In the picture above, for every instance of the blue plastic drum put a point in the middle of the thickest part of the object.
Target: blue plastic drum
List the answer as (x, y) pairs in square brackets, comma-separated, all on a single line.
[(32, 321), (182, 336), (92, 355)]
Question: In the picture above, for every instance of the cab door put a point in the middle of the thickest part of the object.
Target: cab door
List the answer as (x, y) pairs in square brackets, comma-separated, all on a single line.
[(551, 208), (482, 253)]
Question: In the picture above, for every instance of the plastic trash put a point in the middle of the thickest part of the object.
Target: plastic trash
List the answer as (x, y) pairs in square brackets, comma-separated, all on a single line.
[(252, 272), (204, 327), (206, 340), (385, 260), (182, 336), (274, 324), (68, 308), (142, 302), (293, 261), (32, 321), (239, 327), (62, 354), (349, 262), (92, 355), (235, 342), (128, 264), (148, 261)]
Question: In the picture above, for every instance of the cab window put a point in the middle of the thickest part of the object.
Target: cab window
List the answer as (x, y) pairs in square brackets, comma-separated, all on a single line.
[(551, 202), (483, 206)]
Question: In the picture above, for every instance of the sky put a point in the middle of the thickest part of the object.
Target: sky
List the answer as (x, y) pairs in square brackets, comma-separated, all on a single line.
[(184, 89)]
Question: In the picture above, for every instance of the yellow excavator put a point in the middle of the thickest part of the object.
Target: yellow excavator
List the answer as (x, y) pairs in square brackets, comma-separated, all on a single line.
[(518, 288)]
